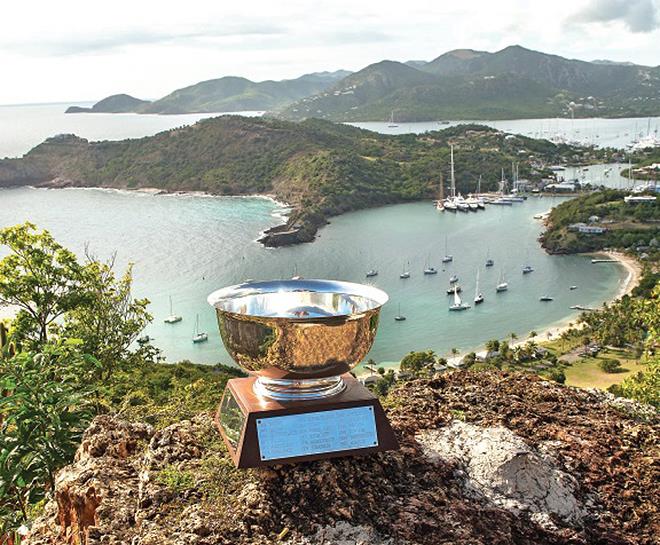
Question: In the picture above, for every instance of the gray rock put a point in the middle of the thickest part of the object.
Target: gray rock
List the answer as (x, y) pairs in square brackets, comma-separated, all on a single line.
[(501, 467)]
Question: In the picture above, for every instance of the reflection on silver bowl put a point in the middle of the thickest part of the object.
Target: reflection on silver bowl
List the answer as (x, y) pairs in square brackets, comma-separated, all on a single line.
[(298, 336)]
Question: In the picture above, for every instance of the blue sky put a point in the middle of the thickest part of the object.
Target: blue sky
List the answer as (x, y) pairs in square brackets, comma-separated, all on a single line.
[(72, 50)]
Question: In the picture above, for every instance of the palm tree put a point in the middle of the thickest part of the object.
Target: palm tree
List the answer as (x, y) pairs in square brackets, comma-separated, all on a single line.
[(532, 334), (513, 336)]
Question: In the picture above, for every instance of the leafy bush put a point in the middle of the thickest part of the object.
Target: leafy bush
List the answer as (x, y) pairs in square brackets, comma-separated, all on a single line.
[(610, 365), (43, 413)]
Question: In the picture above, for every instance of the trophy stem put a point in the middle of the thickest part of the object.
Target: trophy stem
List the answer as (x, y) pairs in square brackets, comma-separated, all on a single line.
[(295, 390)]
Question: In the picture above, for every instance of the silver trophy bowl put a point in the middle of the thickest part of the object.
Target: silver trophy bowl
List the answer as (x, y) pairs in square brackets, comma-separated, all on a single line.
[(298, 336)]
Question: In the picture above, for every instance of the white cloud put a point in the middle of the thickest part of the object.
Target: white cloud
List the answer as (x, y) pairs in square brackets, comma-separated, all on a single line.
[(636, 15), (73, 50)]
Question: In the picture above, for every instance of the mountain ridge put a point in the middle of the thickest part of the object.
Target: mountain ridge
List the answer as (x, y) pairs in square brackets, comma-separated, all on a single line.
[(555, 86)]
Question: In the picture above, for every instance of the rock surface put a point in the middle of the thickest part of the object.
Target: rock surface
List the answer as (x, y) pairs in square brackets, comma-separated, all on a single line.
[(485, 458)]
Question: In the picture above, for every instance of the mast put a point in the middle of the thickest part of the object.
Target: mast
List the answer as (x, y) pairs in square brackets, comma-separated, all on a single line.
[(476, 289), (479, 185), (453, 178), (171, 306), (442, 188)]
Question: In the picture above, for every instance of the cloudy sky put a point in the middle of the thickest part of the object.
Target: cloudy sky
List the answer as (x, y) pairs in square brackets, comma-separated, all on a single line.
[(72, 50)]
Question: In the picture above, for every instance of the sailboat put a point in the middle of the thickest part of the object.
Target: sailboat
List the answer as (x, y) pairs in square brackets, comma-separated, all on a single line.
[(458, 304), (199, 336), (405, 273), (478, 296), (454, 287), (392, 123), (428, 269), (489, 261), (527, 268), (440, 203), (448, 257), (399, 317), (502, 285), (172, 318)]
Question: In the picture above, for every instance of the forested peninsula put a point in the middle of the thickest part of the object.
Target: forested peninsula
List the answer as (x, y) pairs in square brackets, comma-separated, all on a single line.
[(320, 168)]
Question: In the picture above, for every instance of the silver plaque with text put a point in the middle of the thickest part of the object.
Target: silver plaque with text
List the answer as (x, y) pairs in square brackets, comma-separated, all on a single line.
[(316, 432)]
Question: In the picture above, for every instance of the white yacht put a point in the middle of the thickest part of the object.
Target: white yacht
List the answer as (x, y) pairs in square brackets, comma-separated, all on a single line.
[(172, 318), (448, 257), (399, 317), (478, 296), (502, 285), (458, 304), (199, 336)]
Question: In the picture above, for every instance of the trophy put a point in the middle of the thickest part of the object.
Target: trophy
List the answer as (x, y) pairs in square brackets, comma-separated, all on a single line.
[(298, 340)]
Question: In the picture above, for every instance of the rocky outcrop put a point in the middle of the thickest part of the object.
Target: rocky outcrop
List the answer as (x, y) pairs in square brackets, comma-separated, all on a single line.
[(485, 458)]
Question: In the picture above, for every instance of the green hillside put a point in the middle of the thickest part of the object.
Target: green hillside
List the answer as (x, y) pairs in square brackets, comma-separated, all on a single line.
[(467, 84), (321, 168)]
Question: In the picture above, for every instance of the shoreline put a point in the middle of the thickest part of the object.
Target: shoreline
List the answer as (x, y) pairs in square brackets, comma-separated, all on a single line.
[(551, 331)]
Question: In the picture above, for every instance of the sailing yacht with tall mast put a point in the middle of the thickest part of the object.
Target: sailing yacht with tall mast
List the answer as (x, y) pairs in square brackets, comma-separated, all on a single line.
[(172, 318), (405, 273), (448, 257), (199, 336), (392, 124), (478, 296), (502, 285), (440, 203), (399, 317), (458, 304)]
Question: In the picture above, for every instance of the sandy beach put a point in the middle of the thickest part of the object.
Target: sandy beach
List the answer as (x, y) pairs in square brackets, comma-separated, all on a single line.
[(555, 330)]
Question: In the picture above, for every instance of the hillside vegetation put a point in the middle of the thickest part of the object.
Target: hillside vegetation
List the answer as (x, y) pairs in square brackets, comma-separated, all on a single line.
[(322, 169), (628, 225), (465, 84)]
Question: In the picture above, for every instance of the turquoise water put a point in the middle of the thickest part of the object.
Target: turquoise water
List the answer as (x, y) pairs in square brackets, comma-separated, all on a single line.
[(187, 246)]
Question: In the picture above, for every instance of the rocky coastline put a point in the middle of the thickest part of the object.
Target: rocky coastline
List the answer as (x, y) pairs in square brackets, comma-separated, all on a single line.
[(486, 457)]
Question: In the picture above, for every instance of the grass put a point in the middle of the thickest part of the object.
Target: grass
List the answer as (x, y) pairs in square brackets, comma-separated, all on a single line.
[(585, 372)]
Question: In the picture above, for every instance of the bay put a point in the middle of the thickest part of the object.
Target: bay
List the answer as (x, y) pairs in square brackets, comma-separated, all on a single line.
[(188, 246)]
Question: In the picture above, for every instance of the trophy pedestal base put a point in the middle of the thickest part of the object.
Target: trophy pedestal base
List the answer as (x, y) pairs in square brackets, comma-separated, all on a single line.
[(259, 431)]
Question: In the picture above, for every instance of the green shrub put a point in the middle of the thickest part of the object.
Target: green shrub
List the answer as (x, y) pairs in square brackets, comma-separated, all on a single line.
[(610, 365)]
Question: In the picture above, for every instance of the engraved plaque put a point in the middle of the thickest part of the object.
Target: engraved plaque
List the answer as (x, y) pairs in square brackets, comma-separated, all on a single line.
[(311, 433)]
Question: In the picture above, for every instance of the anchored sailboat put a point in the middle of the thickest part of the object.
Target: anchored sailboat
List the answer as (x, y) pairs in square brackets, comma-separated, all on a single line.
[(199, 336), (399, 317), (392, 123), (405, 273), (172, 318), (428, 269), (448, 257), (458, 304), (502, 285), (478, 296)]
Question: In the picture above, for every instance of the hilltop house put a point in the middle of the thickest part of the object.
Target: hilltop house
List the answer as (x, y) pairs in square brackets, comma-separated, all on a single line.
[(582, 227)]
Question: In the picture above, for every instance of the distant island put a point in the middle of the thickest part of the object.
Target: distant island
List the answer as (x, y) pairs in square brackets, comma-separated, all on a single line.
[(227, 94), (321, 168), (461, 84)]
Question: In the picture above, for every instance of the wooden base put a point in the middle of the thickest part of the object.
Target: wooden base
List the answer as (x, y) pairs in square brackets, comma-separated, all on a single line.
[(319, 436)]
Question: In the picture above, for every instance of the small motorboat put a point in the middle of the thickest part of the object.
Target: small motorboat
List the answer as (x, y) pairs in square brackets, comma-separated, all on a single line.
[(546, 298), (372, 272), (572, 288), (430, 270), (527, 269), (453, 279), (144, 339), (489, 263)]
